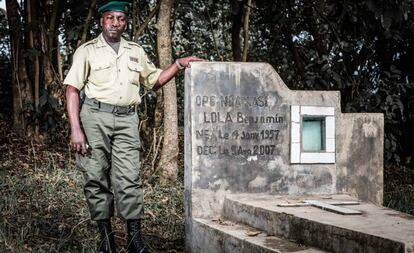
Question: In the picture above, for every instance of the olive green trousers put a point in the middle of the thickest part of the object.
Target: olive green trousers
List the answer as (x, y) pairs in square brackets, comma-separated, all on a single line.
[(111, 166)]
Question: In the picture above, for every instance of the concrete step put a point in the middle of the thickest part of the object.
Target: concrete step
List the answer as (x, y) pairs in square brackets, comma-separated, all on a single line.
[(378, 229), (223, 236)]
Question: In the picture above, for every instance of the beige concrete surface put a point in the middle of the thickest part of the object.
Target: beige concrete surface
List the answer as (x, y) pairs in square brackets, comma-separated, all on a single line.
[(226, 236), (376, 221)]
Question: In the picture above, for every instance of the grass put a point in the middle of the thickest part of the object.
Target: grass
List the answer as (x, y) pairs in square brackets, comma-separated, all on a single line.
[(399, 189), (43, 209)]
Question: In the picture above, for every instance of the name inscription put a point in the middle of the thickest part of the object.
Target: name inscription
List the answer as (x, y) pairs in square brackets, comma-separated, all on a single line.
[(239, 117), (232, 101), (229, 125)]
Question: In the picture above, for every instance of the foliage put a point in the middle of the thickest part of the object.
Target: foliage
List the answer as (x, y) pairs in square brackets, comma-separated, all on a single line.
[(360, 48)]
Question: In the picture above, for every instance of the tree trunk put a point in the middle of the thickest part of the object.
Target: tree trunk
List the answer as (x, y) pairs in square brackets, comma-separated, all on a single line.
[(32, 19), (13, 20), (294, 50), (139, 28), (135, 19), (59, 63), (87, 21), (22, 90), (318, 38), (159, 109), (52, 66), (237, 12), (246, 30), (169, 152)]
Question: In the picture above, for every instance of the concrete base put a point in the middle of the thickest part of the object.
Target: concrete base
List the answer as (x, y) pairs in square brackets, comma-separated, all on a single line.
[(221, 236), (377, 230)]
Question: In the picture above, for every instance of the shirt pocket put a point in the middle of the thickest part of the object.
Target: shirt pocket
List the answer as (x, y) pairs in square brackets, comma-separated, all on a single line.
[(134, 70), (101, 72)]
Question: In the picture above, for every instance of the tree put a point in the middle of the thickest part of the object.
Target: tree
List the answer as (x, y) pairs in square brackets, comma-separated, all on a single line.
[(246, 29), (237, 11), (34, 44), (22, 86), (169, 152), (5, 67), (35, 29)]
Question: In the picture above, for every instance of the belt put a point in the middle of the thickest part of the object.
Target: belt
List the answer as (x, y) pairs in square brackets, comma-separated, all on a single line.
[(105, 107)]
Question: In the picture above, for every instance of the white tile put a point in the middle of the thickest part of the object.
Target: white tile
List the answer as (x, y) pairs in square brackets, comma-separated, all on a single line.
[(317, 157), (295, 152), (330, 145), (295, 113), (295, 132), (317, 110), (330, 127)]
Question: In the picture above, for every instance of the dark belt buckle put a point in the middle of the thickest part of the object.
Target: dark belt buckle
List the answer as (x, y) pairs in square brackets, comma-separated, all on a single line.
[(120, 110)]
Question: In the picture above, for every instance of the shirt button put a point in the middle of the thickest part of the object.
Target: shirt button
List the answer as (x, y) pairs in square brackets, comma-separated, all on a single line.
[(121, 83), (119, 70), (120, 97)]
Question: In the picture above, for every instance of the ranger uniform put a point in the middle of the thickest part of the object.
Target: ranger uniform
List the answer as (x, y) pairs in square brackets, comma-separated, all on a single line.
[(104, 133), (111, 82), (110, 75)]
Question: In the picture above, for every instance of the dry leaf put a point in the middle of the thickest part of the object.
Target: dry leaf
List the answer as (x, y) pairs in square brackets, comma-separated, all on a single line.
[(253, 233)]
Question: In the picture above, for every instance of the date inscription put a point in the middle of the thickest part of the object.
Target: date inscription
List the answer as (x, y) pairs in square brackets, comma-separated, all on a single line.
[(235, 150)]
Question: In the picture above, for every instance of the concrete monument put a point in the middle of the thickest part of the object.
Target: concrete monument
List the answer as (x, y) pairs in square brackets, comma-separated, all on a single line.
[(250, 138)]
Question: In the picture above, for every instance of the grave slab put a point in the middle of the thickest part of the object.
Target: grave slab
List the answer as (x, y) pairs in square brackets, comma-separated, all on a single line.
[(226, 236), (378, 229)]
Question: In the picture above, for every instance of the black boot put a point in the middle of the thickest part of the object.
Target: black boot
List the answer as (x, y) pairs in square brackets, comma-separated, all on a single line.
[(135, 243), (107, 242)]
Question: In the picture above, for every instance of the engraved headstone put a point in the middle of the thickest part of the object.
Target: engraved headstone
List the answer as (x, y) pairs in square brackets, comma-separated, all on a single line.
[(243, 134)]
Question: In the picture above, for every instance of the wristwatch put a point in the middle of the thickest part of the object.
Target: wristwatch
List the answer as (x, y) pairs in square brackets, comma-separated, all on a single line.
[(178, 64)]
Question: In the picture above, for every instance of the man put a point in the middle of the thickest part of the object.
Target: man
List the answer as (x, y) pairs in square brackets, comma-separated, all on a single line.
[(110, 70)]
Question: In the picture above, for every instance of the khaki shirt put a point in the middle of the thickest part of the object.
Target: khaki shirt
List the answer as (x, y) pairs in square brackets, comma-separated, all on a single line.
[(109, 77)]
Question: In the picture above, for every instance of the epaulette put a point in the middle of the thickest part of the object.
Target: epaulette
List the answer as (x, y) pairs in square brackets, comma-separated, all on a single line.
[(94, 41), (133, 43)]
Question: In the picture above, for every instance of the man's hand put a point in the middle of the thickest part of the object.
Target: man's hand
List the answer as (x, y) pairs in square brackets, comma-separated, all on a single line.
[(168, 73), (77, 136), (185, 62), (78, 141)]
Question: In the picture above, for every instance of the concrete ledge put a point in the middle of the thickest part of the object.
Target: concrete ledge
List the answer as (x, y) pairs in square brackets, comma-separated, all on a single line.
[(378, 230), (227, 237)]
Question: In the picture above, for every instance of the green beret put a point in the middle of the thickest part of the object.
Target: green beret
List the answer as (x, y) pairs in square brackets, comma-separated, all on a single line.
[(114, 6)]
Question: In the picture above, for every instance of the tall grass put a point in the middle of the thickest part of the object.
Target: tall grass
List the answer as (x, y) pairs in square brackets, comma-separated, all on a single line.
[(43, 209)]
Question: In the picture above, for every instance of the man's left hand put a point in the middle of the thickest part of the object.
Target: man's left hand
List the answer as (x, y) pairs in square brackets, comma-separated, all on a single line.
[(185, 62)]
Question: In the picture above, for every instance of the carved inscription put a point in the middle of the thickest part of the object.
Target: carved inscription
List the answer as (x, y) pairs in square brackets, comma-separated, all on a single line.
[(232, 125)]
